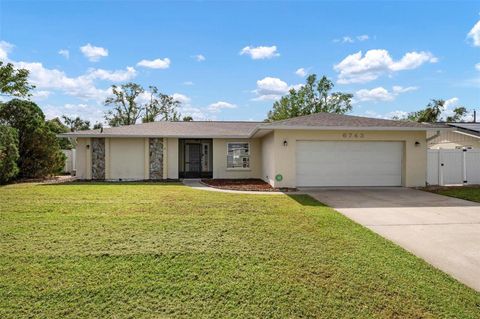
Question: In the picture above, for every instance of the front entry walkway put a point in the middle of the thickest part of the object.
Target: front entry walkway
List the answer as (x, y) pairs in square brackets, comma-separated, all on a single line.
[(442, 230)]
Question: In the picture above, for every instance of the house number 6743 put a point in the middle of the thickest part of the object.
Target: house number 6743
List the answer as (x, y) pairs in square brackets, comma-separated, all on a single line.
[(353, 135)]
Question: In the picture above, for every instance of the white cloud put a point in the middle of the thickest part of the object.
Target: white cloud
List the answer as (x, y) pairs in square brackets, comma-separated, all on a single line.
[(41, 95), (93, 53), (261, 52), (388, 116), (376, 94), (199, 57), (352, 39), (474, 34), (65, 53), (301, 72), (396, 114), (181, 98), (197, 113), (188, 83), (356, 68), (92, 113), (52, 79), (114, 76), (451, 102), (270, 88), (155, 64), (477, 66), (381, 94), (400, 89), (216, 107), (5, 49), (363, 37)]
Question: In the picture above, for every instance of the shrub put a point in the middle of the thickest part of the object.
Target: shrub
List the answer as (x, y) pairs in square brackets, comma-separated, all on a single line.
[(8, 154), (38, 147)]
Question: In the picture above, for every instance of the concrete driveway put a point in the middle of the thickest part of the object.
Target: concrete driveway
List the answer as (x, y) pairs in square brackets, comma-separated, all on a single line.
[(442, 230)]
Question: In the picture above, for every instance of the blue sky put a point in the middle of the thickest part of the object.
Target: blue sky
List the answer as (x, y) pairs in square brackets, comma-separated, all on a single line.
[(230, 61)]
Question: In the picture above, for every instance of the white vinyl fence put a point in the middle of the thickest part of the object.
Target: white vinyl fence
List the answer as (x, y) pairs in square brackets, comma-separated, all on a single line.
[(453, 167), (70, 161)]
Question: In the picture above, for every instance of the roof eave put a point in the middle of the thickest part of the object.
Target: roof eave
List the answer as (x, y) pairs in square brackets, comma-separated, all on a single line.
[(106, 135)]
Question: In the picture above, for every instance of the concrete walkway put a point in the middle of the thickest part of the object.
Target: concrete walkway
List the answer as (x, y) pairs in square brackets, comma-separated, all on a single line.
[(196, 183), (442, 230)]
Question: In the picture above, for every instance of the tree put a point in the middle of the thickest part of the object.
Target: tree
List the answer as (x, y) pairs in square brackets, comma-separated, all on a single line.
[(126, 110), (56, 126), (76, 124), (38, 147), (97, 126), (458, 114), (161, 106), (168, 108), (313, 97), (8, 153), (13, 81), (187, 118), (433, 113), (430, 114)]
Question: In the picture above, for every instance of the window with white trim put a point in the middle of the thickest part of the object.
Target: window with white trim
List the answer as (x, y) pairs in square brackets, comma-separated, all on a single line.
[(238, 155)]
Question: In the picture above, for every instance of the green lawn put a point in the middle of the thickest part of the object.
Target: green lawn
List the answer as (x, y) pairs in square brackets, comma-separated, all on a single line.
[(464, 192), (157, 251)]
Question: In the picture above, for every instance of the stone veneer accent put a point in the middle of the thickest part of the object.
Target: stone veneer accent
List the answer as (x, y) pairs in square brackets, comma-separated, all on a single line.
[(98, 158), (156, 158)]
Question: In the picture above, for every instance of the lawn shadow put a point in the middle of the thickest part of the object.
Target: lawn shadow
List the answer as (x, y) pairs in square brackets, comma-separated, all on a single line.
[(306, 200), (117, 183)]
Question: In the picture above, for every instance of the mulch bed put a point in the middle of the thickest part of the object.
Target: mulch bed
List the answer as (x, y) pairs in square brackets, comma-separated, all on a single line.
[(240, 184)]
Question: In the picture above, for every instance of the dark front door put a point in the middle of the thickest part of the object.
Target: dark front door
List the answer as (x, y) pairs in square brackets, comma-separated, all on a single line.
[(193, 160)]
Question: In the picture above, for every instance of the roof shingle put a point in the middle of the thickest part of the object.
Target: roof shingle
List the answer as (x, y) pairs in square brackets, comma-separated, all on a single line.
[(238, 129)]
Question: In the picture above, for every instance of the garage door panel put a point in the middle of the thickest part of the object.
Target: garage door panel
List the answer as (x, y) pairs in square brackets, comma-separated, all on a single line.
[(340, 163)]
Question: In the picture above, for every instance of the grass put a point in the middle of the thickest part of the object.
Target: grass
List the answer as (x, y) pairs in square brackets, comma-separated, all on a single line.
[(471, 193), (158, 251)]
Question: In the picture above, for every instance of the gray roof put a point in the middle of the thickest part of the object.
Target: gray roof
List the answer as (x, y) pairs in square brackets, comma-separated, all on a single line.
[(326, 120), (474, 127), (194, 129), (237, 129)]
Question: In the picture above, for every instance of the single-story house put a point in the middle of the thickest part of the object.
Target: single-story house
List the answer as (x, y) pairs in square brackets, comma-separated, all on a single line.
[(462, 135), (322, 149)]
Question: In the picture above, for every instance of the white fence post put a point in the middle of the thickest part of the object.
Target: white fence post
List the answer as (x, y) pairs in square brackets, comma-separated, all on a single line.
[(440, 168), (464, 164)]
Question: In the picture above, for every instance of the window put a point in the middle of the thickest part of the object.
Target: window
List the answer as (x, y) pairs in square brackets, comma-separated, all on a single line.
[(238, 155)]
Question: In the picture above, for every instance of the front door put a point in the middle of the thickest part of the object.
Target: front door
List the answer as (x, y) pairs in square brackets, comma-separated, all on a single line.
[(193, 160)]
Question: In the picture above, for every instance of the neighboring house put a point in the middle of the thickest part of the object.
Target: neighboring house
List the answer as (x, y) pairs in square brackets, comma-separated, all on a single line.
[(322, 149), (463, 135)]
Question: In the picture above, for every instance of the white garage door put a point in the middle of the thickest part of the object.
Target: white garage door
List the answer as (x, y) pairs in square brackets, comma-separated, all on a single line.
[(338, 163)]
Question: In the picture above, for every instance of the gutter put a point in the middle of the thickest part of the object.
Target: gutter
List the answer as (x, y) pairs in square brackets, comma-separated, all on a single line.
[(100, 135)]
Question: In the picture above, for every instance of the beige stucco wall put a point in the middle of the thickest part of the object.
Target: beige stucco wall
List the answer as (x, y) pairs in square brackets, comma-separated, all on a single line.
[(451, 140), (81, 157), (220, 169), (414, 162), (172, 158), (127, 158), (268, 159)]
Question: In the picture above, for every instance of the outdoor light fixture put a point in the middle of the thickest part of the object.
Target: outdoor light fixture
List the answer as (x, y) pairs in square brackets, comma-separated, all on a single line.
[(285, 143), (417, 143), (88, 146)]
